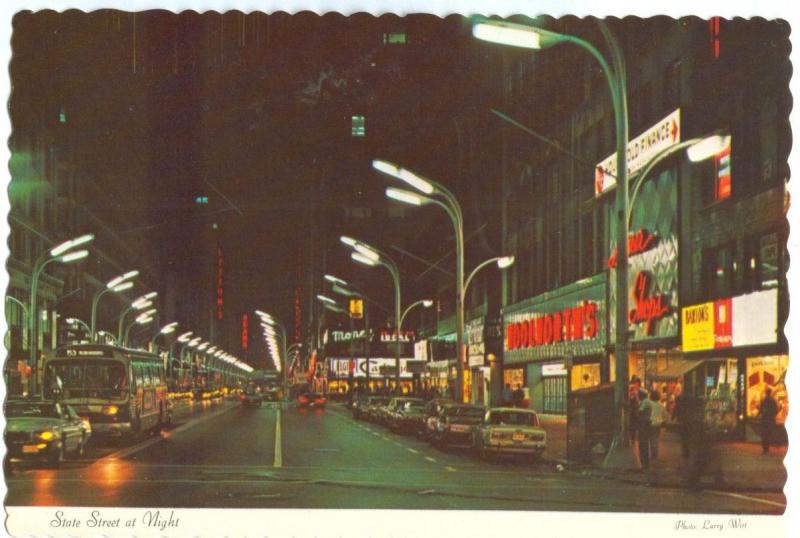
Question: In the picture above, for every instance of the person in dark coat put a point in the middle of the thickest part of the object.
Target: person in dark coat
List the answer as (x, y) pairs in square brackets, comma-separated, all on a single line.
[(518, 396), (767, 412)]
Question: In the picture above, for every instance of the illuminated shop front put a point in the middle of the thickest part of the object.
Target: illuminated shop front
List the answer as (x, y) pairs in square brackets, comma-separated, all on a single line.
[(736, 342), (555, 343), (347, 365)]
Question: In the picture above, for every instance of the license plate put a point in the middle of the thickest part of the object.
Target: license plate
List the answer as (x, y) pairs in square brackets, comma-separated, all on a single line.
[(518, 436), (29, 449)]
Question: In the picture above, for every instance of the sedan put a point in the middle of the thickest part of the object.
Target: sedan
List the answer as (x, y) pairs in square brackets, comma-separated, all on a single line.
[(402, 412), (311, 399), (508, 430), (455, 424), (44, 430)]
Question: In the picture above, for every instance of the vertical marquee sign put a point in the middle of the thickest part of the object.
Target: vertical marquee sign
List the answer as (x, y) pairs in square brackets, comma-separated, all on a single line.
[(653, 308)]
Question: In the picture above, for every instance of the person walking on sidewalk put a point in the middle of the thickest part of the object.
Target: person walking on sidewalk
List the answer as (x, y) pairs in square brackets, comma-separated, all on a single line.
[(507, 393), (767, 412), (658, 415), (644, 413)]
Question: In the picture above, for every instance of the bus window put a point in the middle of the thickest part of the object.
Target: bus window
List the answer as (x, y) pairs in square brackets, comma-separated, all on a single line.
[(137, 373), (145, 376), (154, 379)]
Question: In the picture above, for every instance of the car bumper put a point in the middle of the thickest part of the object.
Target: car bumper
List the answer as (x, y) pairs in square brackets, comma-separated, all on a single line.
[(111, 428), (32, 451), (515, 449)]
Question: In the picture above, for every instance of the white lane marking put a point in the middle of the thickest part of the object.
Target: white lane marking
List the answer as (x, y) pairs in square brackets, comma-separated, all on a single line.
[(376, 434), (747, 498), (430, 459), (385, 438), (278, 462), (413, 451), (452, 469), (150, 442)]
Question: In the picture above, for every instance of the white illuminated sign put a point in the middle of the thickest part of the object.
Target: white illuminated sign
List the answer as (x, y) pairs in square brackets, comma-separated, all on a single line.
[(641, 149)]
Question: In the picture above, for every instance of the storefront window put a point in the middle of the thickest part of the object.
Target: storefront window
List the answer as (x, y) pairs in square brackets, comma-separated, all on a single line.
[(513, 377), (584, 376), (763, 373)]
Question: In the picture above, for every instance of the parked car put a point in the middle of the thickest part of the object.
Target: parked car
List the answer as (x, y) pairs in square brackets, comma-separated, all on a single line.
[(430, 412), (375, 407), (400, 417), (44, 430), (251, 397), (374, 404), (508, 430), (311, 399), (359, 407), (388, 412), (454, 425)]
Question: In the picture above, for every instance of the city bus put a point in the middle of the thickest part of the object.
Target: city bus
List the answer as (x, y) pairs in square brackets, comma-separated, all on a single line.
[(122, 392)]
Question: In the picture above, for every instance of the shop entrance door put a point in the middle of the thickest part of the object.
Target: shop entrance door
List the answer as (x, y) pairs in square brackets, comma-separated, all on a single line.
[(555, 395)]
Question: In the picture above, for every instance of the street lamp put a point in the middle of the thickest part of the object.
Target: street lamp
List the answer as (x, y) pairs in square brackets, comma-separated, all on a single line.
[(348, 290), (141, 319), (76, 321), (60, 253), (270, 324), (371, 256), (519, 35), (166, 329), (140, 303), (502, 263), (115, 285), (441, 196)]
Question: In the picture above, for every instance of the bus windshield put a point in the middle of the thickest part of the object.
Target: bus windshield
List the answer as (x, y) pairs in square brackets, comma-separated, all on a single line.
[(87, 378)]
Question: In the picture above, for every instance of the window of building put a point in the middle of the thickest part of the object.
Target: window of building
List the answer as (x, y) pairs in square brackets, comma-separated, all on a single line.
[(358, 127), (718, 269)]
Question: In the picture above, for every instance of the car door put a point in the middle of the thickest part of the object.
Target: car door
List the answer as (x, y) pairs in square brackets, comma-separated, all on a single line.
[(69, 429)]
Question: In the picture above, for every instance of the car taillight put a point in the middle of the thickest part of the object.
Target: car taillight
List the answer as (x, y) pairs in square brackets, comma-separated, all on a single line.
[(303, 399), (320, 400)]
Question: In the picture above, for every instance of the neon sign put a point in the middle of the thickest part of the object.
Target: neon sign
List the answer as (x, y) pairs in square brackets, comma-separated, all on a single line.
[(638, 242), (648, 308), (577, 323)]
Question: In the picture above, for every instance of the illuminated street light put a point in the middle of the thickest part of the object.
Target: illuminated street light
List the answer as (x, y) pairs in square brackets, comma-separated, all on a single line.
[(363, 259), (60, 253), (115, 285), (532, 37)]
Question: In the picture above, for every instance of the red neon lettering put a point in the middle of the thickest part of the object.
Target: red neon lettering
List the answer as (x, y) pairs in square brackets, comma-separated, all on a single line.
[(568, 334), (548, 330), (590, 310), (647, 309), (558, 327), (638, 242)]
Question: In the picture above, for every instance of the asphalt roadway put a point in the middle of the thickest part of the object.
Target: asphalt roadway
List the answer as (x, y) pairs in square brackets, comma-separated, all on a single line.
[(220, 455)]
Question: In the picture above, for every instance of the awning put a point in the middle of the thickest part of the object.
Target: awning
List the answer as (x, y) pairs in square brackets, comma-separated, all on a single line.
[(677, 368)]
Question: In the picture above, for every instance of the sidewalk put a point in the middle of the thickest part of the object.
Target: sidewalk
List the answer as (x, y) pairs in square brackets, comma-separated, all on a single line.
[(733, 466)]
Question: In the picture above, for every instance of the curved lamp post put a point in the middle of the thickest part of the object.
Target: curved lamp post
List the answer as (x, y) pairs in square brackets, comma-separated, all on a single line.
[(62, 253), (142, 319), (530, 37), (140, 303), (437, 194), (370, 256), (115, 285), (76, 321), (270, 324)]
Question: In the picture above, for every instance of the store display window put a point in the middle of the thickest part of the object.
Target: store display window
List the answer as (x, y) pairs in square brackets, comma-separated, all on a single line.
[(584, 376), (764, 372)]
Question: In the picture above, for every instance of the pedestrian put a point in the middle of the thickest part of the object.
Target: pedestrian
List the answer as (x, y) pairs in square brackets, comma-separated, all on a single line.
[(507, 394), (683, 403), (658, 416), (644, 413), (518, 396), (633, 416), (767, 412)]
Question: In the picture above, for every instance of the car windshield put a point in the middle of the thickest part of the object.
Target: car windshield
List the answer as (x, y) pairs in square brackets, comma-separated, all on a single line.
[(463, 411), (513, 418), (87, 378), (31, 410)]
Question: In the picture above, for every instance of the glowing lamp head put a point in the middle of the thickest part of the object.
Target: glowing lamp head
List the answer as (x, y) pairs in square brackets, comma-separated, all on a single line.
[(390, 169), (505, 261), (427, 303), (363, 259), (510, 34), (73, 256), (708, 147)]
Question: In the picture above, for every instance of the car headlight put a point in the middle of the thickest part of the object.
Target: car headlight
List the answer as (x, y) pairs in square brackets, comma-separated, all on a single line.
[(110, 410), (46, 435)]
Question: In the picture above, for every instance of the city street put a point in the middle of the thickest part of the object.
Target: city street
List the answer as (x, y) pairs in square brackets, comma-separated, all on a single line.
[(225, 455)]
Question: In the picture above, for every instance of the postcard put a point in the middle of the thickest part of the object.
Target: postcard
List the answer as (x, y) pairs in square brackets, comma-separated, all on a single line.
[(380, 270)]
